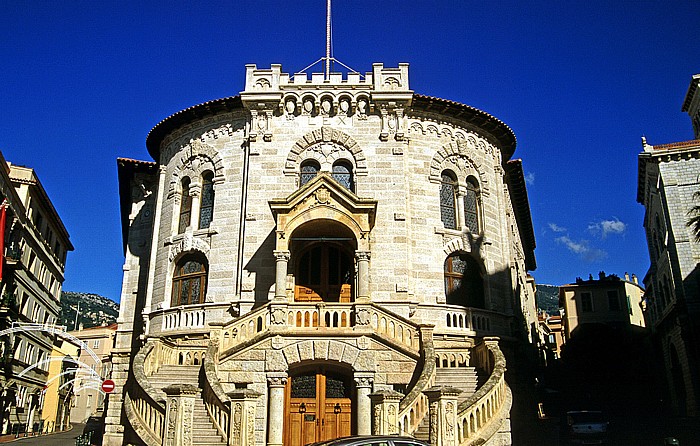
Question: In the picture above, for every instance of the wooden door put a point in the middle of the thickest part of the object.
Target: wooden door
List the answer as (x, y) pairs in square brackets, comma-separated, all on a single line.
[(324, 273), (319, 408)]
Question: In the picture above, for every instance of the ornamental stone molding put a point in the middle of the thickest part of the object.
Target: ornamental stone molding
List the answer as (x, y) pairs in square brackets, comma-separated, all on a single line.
[(212, 131), (196, 158), (188, 243), (455, 157), (326, 145)]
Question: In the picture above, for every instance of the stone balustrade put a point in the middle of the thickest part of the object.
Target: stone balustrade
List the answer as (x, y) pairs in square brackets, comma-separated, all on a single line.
[(244, 328), (481, 415), (215, 399), (394, 327), (328, 315), (183, 318), (414, 406), (145, 405)]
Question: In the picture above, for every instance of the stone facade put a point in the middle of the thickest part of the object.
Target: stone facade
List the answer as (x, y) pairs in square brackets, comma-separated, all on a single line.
[(35, 244), (327, 250), (669, 179)]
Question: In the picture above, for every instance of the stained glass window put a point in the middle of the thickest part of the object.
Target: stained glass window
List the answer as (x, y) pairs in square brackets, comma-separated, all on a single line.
[(342, 173), (189, 282), (185, 206), (309, 169), (206, 210), (471, 207), (448, 189)]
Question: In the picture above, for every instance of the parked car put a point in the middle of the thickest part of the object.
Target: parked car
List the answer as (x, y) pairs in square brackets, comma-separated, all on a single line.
[(372, 440), (585, 427)]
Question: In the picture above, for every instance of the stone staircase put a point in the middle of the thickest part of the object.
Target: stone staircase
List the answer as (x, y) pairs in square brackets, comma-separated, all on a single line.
[(203, 432), (464, 378)]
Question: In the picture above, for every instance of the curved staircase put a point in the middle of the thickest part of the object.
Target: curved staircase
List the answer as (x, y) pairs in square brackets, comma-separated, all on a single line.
[(203, 431)]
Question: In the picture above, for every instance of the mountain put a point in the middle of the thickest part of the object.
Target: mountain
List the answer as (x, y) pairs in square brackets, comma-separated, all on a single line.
[(95, 310), (548, 298)]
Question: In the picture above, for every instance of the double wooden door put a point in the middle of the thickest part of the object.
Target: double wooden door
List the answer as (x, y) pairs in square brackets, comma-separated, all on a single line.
[(324, 273), (319, 407)]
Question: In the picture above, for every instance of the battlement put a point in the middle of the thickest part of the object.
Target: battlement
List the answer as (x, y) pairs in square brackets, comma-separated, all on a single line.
[(273, 80)]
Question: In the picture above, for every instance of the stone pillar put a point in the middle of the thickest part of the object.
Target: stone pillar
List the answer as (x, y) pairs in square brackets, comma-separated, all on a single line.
[(282, 259), (179, 414), (459, 207), (277, 382), (242, 422), (443, 415), (362, 275), (363, 384), (385, 412), (114, 428)]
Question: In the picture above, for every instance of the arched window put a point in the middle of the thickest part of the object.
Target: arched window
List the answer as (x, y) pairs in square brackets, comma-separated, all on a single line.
[(309, 169), (185, 206), (190, 281), (448, 194), (342, 173), (463, 282), (206, 210), (471, 205)]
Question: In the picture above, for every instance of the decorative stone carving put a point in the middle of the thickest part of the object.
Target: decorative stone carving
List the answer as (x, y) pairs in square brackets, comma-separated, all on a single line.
[(363, 342), (323, 196), (362, 108), (362, 316), (186, 244), (277, 316)]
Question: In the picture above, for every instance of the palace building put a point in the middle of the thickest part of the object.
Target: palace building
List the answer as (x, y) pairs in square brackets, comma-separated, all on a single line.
[(321, 255)]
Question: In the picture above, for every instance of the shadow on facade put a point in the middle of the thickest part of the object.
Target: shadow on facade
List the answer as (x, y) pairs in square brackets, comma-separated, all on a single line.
[(262, 263)]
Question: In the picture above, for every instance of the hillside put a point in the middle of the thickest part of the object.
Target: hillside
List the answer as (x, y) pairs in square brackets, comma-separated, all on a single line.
[(548, 298), (95, 310)]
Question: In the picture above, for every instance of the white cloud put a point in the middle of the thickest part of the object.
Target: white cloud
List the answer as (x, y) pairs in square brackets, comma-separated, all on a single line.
[(529, 178), (604, 228), (556, 228), (582, 248)]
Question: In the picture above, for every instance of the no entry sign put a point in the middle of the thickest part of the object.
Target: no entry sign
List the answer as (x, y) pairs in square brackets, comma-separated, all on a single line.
[(108, 385)]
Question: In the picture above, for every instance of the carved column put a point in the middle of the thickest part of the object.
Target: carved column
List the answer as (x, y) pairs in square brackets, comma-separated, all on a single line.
[(362, 275), (179, 414), (461, 192), (242, 422), (282, 259), (443, 415), (277, 382), (385, 412), (363, 384)]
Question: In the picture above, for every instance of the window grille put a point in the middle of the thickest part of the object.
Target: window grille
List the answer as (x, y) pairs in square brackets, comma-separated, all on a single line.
[(448, 189), (206, 210), (185, 206)]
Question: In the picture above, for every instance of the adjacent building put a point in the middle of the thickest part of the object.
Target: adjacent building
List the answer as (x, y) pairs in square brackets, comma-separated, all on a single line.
[(552, 337), (35, 244), (606, 300), (96, 366), (318, 255), (668, 181), (58, 392)]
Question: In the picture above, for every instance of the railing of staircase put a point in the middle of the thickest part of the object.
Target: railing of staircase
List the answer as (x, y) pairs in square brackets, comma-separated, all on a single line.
[(486, 405), (414, 406), (320, 314), (145, 405), (216, 402), (244, 328), (394, 327)]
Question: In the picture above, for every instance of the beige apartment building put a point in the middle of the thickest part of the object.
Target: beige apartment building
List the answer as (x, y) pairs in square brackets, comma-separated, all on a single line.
[(606, 300), (324, 254), (58, 394), (35, 244), (96, 366)]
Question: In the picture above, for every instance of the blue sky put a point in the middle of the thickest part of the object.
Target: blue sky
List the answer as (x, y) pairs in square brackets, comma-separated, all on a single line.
[(82, 83)]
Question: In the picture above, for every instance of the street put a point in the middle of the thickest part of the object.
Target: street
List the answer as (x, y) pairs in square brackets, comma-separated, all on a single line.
[(66, 438)]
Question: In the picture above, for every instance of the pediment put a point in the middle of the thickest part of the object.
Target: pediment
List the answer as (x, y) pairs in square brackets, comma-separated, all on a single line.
[(324, 198)]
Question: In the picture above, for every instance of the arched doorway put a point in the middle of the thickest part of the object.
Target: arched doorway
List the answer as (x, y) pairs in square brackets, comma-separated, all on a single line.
[(318, 405), (324, 264)]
